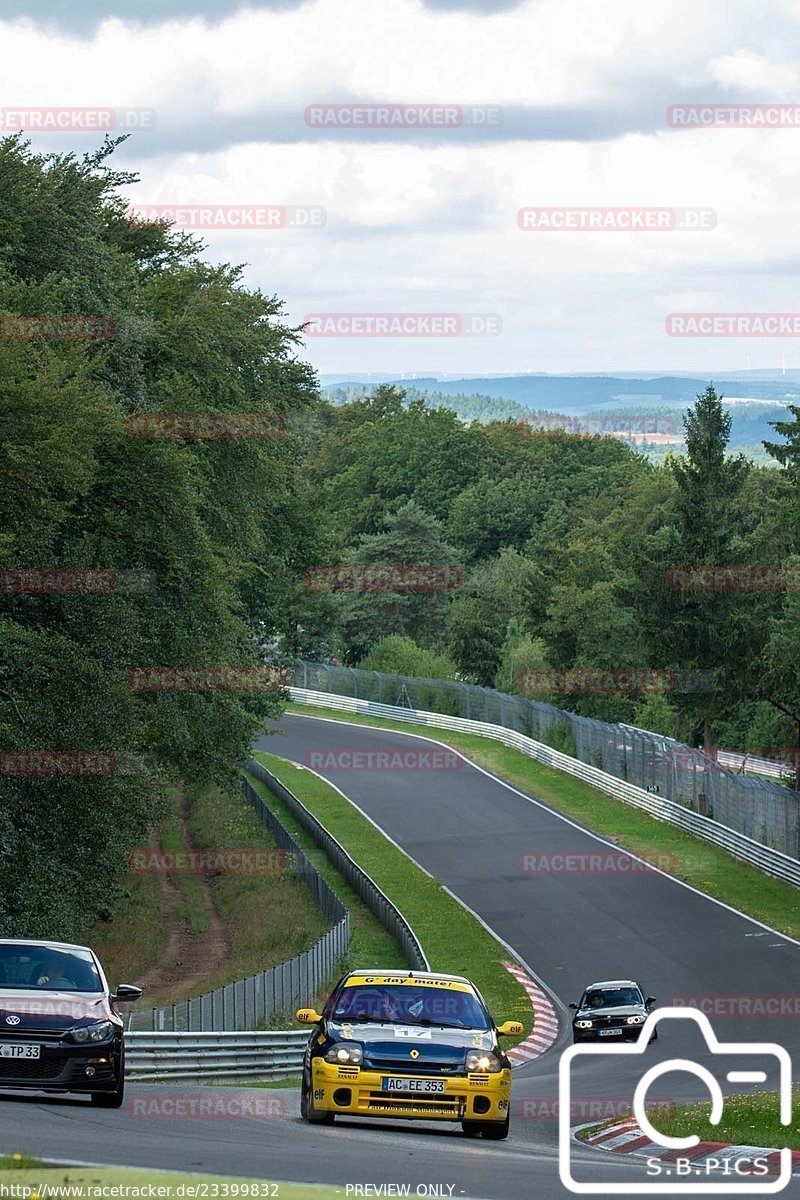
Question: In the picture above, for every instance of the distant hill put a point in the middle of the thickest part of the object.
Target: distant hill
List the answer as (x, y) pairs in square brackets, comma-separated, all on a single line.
[(651, 420)]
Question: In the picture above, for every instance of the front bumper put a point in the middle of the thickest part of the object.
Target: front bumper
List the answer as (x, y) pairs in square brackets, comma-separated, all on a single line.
[(63, 1067), (627, 1033), (357, 1092)]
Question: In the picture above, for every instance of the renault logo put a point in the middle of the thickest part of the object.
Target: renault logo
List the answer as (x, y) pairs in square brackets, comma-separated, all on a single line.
[(12, 1020), (414, 1053)]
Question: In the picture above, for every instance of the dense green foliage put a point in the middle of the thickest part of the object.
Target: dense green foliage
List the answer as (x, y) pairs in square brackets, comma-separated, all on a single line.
[(462, 546), (567, 543), (208, 527)]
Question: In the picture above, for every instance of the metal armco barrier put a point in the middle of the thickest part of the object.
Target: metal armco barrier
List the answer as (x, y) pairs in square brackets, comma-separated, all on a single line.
[(762, 810), (772, 862), (248, 1003), (387, 913), (193, 1056)]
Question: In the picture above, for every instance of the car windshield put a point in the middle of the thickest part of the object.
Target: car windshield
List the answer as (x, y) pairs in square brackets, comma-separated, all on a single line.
[(40, 968), (410, 1005), (612, 997)]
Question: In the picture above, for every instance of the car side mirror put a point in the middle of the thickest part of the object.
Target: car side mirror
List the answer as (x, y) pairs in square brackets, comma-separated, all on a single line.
[(574, 1006), (650, 1000), (307, 1016), (127, 993), (511, 1029)]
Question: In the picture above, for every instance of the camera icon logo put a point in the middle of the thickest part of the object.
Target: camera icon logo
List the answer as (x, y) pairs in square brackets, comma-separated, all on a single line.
[(765, 1050)]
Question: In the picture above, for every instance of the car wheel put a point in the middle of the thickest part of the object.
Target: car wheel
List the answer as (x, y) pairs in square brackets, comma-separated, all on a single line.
[(109, 1099), (495, 1131), (307, 1110), (471, 1128), (654, 1036)]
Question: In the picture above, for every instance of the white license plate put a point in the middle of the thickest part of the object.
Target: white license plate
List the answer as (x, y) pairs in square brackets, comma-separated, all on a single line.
[(610, 1032), (412, 1085), (20, 1051)]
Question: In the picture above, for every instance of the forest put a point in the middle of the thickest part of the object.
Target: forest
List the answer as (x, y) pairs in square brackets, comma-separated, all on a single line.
[(282, 525)]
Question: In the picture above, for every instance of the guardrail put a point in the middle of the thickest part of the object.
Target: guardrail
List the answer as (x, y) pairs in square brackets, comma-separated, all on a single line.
[(254, 1001), (761, 809), (197, 1056), (750, 764), (387, 913), (772, 862)]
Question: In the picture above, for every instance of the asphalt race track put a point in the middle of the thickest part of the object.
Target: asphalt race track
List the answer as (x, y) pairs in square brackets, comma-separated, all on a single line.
[(570, 928)]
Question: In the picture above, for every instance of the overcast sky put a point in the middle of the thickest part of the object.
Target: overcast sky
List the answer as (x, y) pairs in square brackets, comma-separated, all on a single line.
[(572, 98)]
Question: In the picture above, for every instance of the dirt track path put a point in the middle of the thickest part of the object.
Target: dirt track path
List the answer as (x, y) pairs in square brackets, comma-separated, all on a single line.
[(190, 959)]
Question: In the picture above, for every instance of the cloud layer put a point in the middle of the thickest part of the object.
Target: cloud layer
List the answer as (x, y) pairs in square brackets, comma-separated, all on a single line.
[(562, 103)]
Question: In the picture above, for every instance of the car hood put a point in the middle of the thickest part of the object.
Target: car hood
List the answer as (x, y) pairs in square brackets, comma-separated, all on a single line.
[(51, 1012), (396, 1041), (620, 1010)]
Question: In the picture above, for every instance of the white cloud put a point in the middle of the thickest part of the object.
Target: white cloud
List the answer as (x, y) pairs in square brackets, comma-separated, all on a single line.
[(432, 225)]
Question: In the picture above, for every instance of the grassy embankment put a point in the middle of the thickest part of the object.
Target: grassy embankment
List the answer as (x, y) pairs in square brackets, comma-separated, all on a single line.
[(453, 940), (696, 862)]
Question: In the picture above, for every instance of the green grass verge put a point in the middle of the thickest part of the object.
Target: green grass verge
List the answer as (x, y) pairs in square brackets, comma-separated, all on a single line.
[(369, 940), (748, 1120), (452, 939), (45, 1183), (191, 908), (696, 862), (269, 916)]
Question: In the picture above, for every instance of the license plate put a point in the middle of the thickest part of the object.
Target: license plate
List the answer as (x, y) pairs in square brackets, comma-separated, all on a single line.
[(412, 1085), (20, 1051), (610, 1032)]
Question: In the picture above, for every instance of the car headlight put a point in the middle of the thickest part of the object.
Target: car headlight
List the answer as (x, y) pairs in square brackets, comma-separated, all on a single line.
[(345, 1053), (634, 1020), (483, 1060), (91, 1033), (585, 1024)]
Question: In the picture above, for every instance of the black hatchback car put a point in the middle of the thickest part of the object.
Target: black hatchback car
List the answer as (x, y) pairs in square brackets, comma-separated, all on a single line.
[(60, 1028), (615, 1009)]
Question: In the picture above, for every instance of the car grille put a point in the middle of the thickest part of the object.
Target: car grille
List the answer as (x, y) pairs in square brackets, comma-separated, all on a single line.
[(443, 1105), (36, 1068), (25, 1034), (412, 1067)]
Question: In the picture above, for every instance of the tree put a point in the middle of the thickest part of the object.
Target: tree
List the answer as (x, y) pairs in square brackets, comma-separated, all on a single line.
[(176, 524), (389, 594), (396, 655), (704, 630), (504, 589)]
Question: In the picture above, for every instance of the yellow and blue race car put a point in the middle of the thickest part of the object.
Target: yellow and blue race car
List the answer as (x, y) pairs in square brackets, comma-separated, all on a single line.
[(409, 1044)]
